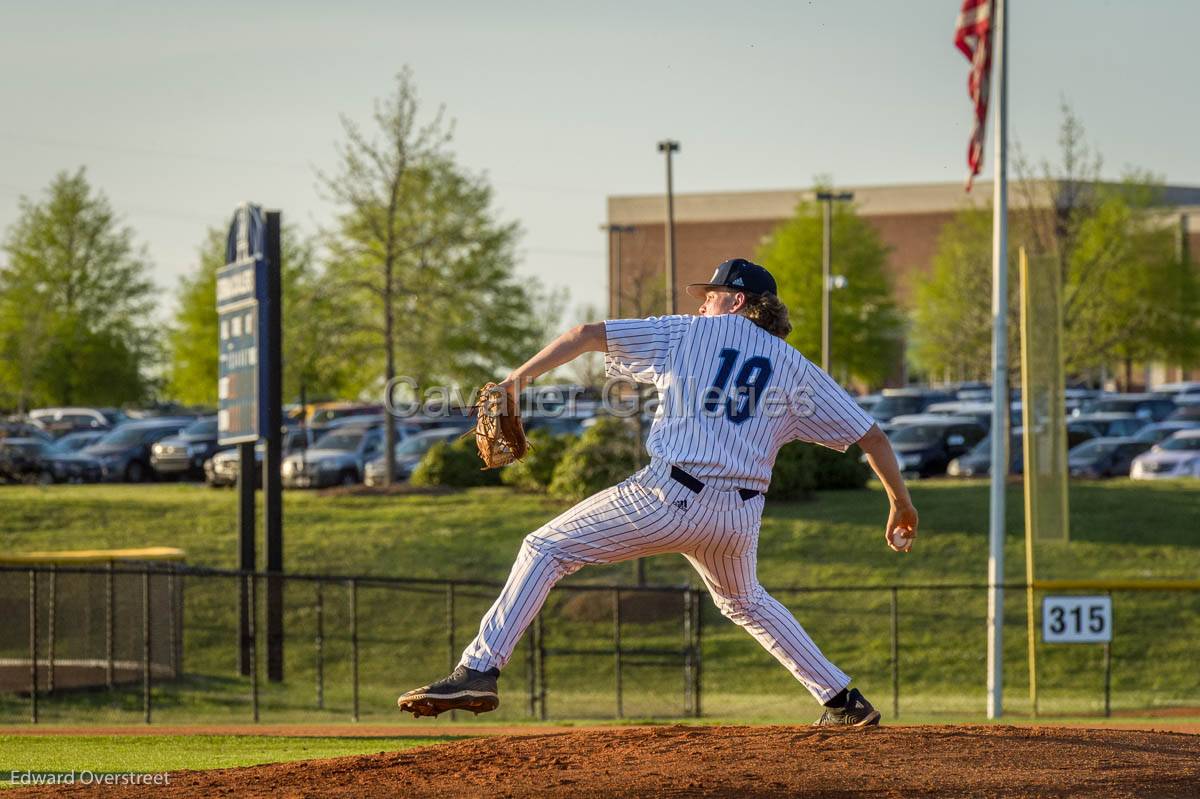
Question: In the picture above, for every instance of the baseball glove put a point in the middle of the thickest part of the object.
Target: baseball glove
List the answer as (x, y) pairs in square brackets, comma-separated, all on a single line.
[(499, 435)]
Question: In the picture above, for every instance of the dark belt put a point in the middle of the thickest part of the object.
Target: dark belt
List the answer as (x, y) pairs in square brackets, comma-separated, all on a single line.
[(695, 486)]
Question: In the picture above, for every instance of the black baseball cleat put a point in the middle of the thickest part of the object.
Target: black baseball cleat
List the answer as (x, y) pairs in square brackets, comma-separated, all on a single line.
[(857, 712), (464, 689)]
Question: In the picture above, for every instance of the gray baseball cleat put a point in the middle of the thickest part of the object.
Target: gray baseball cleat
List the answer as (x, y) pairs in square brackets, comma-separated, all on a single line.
[(464, 689), (858, 712)]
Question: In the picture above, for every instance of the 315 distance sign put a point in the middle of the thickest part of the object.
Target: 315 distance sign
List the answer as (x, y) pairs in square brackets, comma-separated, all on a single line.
[(1077, 619)]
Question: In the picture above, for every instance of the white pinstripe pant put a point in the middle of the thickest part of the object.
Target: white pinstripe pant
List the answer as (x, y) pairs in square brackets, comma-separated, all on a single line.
[(717, 532)]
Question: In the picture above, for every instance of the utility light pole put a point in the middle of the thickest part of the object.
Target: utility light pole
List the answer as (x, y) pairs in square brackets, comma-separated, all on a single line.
[(828, 198), (668, 147)]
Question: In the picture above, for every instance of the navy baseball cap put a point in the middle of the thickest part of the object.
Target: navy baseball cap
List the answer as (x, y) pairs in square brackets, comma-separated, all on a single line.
[(736, 274)]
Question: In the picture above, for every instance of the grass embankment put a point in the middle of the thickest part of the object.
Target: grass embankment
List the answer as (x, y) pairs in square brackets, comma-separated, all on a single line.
[(1120, 529)]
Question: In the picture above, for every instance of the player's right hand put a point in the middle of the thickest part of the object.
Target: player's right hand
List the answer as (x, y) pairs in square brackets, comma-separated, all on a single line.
[(903, 517)]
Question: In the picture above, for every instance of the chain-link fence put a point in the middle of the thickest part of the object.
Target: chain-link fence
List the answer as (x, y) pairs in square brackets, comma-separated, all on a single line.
[(167, 643)]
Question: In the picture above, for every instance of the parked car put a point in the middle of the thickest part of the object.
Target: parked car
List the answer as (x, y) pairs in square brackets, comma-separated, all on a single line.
[(408, 454), (60, 421), (1156, 432), (124, 453), (925, 448), (20, 429), (183, 455), (1149, 407), (361, 421), (554, 425), (979, 411), (74, 442), (36, 460), (1105, 457), (322, 413), (1178, 456), (1075, 397), (902, 401), (972, 391), (1181, 390), (868, 401), (339, 457), (1111, 425), (1186, 412), (66, 461), (222, 468), (21, 461), (978, 462)]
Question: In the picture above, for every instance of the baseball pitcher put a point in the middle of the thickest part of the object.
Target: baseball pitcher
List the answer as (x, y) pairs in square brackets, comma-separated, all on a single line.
[(731, 393)]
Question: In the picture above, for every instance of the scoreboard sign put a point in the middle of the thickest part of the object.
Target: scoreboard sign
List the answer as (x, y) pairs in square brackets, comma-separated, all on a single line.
[(240, 301), (1077, 619)]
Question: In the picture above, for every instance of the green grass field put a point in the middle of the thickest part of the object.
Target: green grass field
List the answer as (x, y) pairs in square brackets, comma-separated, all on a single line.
[(1120, 529), (111, 754)]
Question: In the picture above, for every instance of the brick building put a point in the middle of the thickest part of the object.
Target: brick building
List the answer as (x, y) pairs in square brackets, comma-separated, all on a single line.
[(710, 227)]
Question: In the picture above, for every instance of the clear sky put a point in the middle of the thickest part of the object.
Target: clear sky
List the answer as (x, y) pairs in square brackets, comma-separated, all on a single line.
[(179, 111)]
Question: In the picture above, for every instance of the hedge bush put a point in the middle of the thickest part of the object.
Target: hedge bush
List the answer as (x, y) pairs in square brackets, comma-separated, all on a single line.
[(603, 456), (802, 468), (455, 464), (795, 474), (840, 469), (535, 472)]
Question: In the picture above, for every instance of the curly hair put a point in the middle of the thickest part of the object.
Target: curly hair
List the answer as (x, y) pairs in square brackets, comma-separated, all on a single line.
[(768, 312)]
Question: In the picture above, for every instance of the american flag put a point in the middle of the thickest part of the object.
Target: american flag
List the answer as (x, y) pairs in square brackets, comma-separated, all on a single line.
[(973, 36)]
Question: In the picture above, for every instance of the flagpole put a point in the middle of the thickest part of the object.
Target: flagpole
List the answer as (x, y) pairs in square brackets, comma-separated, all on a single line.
[(1000, 401)]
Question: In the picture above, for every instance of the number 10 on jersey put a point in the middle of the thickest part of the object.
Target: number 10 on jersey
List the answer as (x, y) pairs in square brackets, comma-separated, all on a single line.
[(1077, 619)]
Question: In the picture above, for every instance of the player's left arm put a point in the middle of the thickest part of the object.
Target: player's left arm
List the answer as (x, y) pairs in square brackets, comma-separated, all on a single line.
[(564, 349), (882, 459)]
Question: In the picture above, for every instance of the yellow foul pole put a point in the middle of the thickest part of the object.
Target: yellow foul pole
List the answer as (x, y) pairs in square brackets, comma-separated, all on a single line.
[(1028, 422)]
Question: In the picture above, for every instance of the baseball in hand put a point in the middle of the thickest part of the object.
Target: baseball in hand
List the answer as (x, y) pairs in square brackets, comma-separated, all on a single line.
[(899, 539)]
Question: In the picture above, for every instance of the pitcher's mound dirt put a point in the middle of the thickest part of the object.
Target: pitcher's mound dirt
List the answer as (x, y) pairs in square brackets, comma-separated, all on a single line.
[(737, 761)]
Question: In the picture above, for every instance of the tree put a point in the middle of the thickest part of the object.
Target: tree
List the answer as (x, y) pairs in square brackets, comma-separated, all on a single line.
[(75, 302), (313, 350), (418, 254), (1126, 295), (952, 317), (866, 330), (192, 336)]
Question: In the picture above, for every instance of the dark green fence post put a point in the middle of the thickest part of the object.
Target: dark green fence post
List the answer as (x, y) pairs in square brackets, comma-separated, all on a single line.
[(33, 667), (172, 639), (1108, 669), (450, 633), (688, 708), (354, 647), (697, 660), (51, 614), (541, 667), (146, 645), (109, 624), (250, 585), (319, 644), (616, 610), (531, 671), (895, 653)]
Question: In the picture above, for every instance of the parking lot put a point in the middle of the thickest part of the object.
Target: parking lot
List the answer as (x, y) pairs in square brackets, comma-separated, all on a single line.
[(935, 431)]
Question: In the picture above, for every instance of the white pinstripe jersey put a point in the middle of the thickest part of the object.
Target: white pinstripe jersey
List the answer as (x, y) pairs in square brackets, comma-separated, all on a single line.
[(730, 395)]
